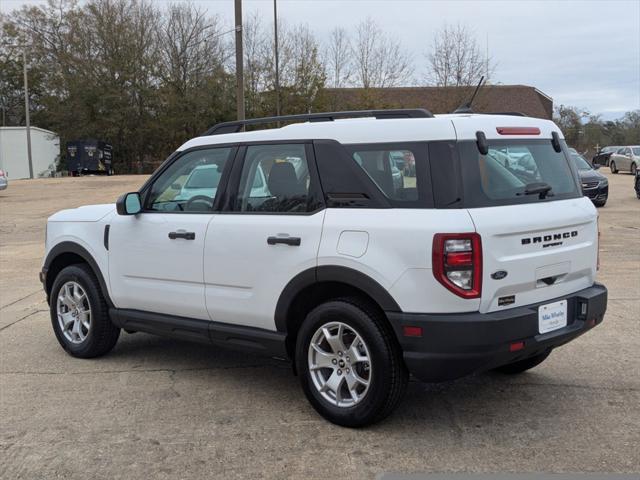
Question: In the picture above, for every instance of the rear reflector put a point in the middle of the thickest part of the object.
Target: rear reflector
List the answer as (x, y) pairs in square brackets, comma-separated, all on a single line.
[(409, 331), (516, 346), (518, 130)]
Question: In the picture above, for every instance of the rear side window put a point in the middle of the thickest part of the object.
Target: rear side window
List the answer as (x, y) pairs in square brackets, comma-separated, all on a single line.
[(398, 170), (513, 171)]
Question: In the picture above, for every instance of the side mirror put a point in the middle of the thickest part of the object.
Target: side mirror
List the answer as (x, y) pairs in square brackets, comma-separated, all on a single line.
[(176, 186), (129, 204), (595, 166)]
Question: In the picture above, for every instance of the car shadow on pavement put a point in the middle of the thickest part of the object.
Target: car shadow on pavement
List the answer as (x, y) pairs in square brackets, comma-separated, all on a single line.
[(484, 401)]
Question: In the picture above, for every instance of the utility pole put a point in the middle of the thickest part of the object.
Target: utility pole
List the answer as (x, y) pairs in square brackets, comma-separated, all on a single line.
[(26, 109), (275, 31), (239, 62)]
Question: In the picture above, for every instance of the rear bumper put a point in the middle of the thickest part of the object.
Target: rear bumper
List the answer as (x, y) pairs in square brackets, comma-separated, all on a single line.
[(455, 345)]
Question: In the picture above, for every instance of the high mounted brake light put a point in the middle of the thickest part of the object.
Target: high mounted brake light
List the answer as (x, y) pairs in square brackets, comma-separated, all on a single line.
[(457, 263), (518, 130)]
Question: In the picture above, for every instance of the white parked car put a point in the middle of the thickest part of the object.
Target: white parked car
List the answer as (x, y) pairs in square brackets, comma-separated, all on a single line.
[(486, 259)]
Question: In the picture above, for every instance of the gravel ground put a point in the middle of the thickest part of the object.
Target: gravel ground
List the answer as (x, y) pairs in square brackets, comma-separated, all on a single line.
[(158, 408)]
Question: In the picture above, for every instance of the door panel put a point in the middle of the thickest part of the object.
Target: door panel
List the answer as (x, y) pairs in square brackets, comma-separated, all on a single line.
[(151, 272), (244, 275)]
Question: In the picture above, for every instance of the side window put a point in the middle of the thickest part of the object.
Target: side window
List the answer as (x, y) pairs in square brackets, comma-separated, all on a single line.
[(621, 151), (190, 183), (275, 178), (394, 168)]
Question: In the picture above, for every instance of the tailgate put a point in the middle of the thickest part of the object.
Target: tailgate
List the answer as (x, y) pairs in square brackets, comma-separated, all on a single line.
[(547, 250)]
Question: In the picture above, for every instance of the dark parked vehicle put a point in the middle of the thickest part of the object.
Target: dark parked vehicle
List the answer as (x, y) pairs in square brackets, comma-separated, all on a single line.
[(637, 184), (594, 184), (604, 156), (89, 157)]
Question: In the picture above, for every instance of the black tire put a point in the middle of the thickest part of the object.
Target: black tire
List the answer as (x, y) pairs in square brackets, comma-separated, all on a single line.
[(102, 334), (600, 204), (634, 167), (613, 167), (523, 365), (389, 376)]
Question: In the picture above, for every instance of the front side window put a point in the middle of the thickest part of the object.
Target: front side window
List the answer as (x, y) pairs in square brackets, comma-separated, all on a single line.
[(515, 172), (190, 183), (636, 151), (275, 179)]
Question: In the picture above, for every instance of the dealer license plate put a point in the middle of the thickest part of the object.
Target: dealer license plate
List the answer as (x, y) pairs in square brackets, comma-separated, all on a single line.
[(552, 316)]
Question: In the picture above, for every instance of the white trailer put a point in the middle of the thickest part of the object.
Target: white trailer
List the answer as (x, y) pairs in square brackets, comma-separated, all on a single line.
[(45, 152)]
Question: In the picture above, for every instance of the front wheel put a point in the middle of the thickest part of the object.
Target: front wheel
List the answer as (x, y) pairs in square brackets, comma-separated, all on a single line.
[(524, 365), (633, 168), (613, 167), (79, 313), (350, 364)]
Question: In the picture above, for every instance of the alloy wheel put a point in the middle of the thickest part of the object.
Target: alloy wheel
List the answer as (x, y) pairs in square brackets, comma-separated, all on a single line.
[(340, 364), (74, 312)]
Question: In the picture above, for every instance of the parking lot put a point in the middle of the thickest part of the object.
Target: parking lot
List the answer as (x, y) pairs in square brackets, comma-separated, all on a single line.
[(159, 408)]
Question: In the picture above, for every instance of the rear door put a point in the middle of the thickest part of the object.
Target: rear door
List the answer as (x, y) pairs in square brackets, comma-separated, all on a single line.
[(537, 244), (269, 233)]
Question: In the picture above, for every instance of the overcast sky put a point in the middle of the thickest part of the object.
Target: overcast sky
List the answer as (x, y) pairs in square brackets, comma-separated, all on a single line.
[(581, 53)]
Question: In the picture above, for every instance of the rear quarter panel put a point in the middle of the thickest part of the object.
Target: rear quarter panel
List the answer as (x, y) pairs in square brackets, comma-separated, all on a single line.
[(397, 253)]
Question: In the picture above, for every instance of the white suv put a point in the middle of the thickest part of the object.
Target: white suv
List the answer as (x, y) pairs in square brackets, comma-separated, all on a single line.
[(472, 264)]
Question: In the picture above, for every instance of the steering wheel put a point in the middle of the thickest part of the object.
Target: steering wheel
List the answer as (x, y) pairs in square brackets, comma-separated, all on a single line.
[(192, 203)]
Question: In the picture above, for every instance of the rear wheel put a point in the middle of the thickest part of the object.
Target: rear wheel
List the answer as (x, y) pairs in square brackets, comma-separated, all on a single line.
[(524, 365), (613, 167), (633, 168), (350, 365), (79, 313)]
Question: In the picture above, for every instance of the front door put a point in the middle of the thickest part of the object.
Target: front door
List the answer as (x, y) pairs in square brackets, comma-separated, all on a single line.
[(155, 257), (271, 234)]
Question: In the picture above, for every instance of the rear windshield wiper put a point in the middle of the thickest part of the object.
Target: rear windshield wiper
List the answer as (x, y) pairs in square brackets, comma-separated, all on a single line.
[(541, 188)]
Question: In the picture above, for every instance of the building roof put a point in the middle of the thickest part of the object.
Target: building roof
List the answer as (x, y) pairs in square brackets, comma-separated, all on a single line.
[(490, 99)]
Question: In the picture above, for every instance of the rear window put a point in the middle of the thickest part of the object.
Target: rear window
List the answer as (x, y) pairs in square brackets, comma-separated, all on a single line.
[(515, 172)]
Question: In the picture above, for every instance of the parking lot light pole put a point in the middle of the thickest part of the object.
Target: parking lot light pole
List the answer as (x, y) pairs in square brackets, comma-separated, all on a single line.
[(239, 61), (26, 109), (26, 102)]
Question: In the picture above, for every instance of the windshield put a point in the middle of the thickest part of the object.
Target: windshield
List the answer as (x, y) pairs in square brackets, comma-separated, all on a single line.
[(515, 171), (207, 177), (580, 162)]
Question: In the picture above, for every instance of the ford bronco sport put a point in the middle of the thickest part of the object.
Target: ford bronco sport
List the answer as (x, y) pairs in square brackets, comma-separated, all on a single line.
[(300, 243)]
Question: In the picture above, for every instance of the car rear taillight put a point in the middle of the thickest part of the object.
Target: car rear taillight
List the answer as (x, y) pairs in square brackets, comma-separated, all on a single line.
[(457, 263)]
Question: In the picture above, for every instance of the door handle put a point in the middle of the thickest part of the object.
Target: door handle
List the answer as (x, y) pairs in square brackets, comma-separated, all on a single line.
[(291, 241), (182, 234)]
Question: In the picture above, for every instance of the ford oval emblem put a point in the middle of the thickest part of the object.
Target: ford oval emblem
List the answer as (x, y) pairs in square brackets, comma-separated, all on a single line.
[(499, 275)]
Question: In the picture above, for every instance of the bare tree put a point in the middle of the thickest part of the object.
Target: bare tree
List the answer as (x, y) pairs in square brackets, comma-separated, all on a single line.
[(379, 60), (191, 47), (455, 58), (338, 58)]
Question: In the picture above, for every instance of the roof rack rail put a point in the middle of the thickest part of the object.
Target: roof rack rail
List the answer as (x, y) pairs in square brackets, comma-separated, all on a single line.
[(512, 114), (238, 125)]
